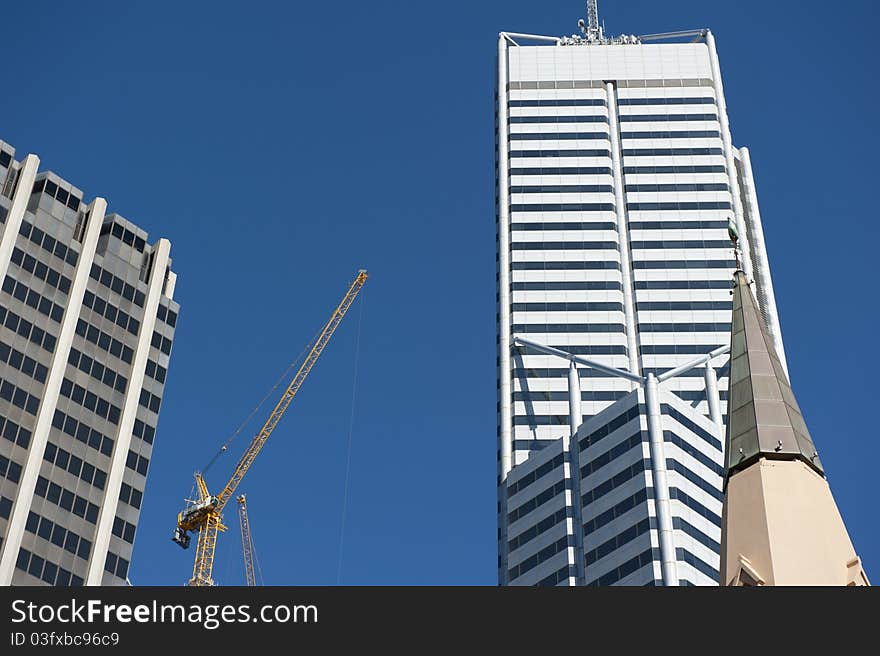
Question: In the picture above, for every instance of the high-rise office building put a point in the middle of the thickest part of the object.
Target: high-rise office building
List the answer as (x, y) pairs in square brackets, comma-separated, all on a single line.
[(616, 183), (87, 320)]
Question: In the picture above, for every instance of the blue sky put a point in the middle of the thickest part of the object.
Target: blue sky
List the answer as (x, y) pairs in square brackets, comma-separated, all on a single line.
[(282, 146)]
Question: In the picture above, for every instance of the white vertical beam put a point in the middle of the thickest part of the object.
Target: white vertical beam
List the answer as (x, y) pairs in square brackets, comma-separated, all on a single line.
[(732, 178), (662, 506), (712, 397), (626, 274), (46, 411), (763, 281), (129, 411), (572, 454), (26, 175), (504, 384), (504, 265)]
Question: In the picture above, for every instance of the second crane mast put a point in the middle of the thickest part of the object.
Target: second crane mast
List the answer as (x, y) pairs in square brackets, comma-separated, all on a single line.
[(205, 515), (247, 542)]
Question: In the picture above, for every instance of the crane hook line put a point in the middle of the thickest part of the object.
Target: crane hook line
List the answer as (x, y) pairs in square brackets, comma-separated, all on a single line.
[(357, 351)]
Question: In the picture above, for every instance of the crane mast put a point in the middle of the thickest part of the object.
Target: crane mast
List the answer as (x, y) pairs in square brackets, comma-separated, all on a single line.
[(247, 542), (204, 515)]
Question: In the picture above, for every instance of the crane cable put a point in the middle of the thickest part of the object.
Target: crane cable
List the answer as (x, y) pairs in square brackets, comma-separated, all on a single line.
[(357, 350), (272, 390)]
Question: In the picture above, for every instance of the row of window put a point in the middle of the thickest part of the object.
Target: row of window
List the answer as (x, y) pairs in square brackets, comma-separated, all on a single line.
[(618, 479), (124, 530), (150, 401), (116, 565), (540, 420), (40, 270), (66, 499), (26, 329), (546, 285), (14, 433), (97, 370), (21, 362), (676, 349), (104, 341), (676, 494), (9, 469), (676, 225), (91, 401), (117, 285), (560, 575), (680, 206), (629, 567), (557, 136), (566, 266), (616, 511), (543, 555), (656, 118), (569, 327), (144, 431), (700, 432), (46, 570), (693, 452), (137, 463), (58, 535), (111, 312), (562, 170), (81, 432), (590, 118), (612, 454), (589, 152), (708, 488), (167, 315), (132, 496), (156, 371), (562, 207), (683, 305), (538, 189), (538, 529), (53, 190), (669, 152), (622, 538), (559, 102), (600, 306), (671, 134), (553, 491), (683, 284), (32, 299), (590, 349), (563, 246), (701, 327), (161, 343), (48, 243), (688, 529), (535, 474), (591, 395), (684, 264), (683, 168), (19, 397), (686, 556), (76, 466), (124, 235), (681, 186), (557, 372)]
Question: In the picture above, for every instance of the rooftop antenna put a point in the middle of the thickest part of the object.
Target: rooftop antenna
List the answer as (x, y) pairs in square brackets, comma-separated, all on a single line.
[(591, 29)]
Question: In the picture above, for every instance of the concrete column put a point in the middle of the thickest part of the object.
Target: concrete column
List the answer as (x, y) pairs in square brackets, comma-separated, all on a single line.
[(504, 391), (46, 411), (575, 419), (668, 565), (763, 281), (626, 274), (732, 178), (126, 421), (713, 398), (26, 175)]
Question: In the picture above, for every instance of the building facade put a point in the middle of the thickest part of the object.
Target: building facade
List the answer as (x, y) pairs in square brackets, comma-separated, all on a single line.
[(87, 320), (616, 183)]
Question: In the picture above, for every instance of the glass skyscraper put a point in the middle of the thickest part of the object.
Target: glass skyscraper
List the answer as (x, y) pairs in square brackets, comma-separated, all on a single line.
[(617, 182)]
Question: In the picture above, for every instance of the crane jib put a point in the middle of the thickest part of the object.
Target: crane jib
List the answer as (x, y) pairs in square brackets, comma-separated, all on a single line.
[(207, 521)]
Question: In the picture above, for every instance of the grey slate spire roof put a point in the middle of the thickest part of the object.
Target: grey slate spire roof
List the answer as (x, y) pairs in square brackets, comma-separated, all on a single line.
[(764, 420)]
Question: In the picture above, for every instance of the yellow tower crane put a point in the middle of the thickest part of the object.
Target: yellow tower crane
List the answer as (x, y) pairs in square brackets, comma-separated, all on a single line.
[(247, 542), (205, 514)]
